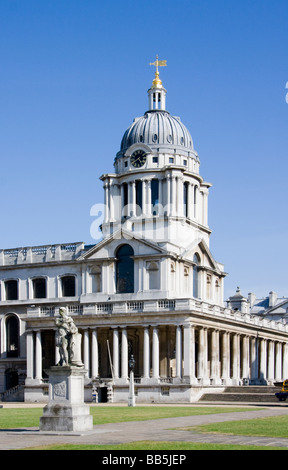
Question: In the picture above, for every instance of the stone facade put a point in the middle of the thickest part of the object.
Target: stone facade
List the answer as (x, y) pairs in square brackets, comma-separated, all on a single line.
[(151, 287)]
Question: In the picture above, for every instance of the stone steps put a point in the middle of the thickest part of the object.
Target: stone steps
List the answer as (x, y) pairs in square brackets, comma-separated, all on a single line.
[(243, 394)]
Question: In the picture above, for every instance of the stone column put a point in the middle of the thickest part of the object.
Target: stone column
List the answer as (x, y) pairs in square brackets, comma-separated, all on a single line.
[(278, 372), (189, 354), (116, 353), (95, 359), (190, 201), (271, 362), (106, 202), (168, 198), (226, 358), (155, 353), (263, 360), (178, 351), (245, 358), (215, 373), (149, 199), (173, 196), (285, 362), (38, 366), (146, 353), (236, 359), (133, 189), (30, 355), (203, 357), (254, 360), (86, 352), (124, 355)]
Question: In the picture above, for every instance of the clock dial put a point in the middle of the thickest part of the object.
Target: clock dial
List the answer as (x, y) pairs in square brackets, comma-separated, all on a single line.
[(138, 158)]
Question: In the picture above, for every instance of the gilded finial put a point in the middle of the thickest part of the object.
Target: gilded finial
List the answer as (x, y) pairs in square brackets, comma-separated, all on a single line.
[(158, 63)]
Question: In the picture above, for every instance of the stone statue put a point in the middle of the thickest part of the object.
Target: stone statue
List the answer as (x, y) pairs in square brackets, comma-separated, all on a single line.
[(68, 340)]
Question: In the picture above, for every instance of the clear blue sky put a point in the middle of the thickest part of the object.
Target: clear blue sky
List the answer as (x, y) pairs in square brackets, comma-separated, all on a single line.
[(74, 74)]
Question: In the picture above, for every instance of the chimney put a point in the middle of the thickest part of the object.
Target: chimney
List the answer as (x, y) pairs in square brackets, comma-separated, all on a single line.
[(251, 299), (272, 298)]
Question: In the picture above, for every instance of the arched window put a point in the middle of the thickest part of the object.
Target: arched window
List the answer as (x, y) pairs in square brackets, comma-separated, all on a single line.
[(12, 336), (11, 290), (39, 288), (154, 275), (196, 281), (125, 270), (68, 286)]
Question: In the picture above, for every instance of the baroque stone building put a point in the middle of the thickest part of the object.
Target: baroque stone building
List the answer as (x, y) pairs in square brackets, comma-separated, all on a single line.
[(150, 288)]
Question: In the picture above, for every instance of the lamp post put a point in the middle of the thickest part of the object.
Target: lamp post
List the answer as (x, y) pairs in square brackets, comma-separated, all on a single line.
[(131, 396)]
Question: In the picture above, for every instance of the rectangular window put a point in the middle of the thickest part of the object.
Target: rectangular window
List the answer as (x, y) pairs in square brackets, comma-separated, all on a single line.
[(39, 288), (139, 197), (11, 290), (125, 199), (68, 286), (155, 196)]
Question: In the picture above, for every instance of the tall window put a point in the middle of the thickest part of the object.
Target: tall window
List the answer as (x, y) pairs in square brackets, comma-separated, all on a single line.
[(12, 336), (125, 269), (125, 199), (185, 199), (196, 282), (155, 196), (139, 197), (68, 286), (11, 290), (39, 288)]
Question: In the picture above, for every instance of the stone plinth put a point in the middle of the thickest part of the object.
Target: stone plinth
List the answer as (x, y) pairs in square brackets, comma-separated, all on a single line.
[(66, 410)]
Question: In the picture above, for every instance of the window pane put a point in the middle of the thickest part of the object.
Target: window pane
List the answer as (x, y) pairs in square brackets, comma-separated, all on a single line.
[(139, 197), (12, 337), (39, 288), (68, 286), (125, 270), (155, 196), (11, 290)]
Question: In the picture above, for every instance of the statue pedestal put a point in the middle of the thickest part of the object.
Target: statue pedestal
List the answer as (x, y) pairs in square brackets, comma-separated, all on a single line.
[(66, 410)]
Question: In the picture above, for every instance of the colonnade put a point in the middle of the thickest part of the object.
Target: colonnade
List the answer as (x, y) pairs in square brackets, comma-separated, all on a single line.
[(201, 355), (172, 199)]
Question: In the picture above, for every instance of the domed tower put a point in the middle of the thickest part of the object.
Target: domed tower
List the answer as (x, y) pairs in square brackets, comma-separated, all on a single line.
[(156, 191)]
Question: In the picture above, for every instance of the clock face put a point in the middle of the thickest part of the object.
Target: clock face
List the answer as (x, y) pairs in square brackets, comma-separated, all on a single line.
[(138, 158)]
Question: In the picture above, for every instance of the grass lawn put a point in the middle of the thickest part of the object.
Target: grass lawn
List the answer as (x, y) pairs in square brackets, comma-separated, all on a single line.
[(12, 418), (276, 426), (158, 445)]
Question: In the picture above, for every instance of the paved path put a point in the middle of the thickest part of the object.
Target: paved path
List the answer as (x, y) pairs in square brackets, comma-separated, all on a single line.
[(158, 430)]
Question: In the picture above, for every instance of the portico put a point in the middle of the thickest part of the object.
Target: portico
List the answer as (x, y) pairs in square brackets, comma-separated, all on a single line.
[(173, 350)]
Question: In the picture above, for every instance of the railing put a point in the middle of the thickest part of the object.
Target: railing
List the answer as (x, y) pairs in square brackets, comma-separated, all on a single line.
[(10, 391), (37, 254), (161, 305)]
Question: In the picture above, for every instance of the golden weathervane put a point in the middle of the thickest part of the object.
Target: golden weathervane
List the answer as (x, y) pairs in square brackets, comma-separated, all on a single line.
[(158, 63)]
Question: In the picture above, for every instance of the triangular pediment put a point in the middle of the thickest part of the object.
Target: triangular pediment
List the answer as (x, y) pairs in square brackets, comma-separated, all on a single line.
[(201, 247), (107, 247)]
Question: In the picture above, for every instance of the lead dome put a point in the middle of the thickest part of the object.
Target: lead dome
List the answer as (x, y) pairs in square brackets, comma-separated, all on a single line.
[(158, 129)]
